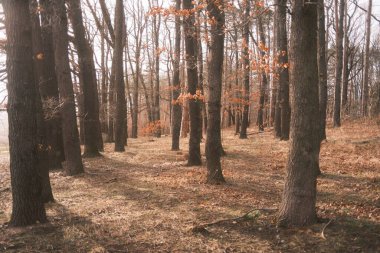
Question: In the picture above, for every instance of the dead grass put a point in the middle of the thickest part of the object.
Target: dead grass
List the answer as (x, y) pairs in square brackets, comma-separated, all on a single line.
[(146, 200)]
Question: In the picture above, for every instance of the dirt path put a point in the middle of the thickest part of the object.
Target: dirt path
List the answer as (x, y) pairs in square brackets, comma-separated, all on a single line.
[(146, 200)]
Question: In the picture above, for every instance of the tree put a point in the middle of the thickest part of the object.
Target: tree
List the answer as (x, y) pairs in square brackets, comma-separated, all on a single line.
[(192, 80), (264, 78), (92, 132), (366, 61), (283, 73), (177, 110), (215, 68), (49, 89), (119, 78), (322, 68), (27, 206), (339, 18), (298, 203), (69, 124), (246, 69), (40, 76)]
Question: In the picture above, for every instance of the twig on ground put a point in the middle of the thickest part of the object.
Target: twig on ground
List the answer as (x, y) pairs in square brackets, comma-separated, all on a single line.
[(323, 229), (202, 227)]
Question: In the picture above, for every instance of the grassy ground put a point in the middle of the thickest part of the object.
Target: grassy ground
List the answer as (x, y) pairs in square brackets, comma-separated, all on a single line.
[(145, 200)]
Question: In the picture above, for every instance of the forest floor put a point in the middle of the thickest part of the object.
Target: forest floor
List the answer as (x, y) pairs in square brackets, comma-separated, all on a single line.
[(146, 200)]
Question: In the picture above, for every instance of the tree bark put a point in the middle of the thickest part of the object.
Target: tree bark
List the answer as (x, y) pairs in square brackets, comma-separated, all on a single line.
[(366, 61), (177, 109), (283, 70), (299, 199), (246, 70), (192, 83), (69, 124), (215, 70), (91, 121), (339, 60), (322, 69), (26, 182), (264, 78), (119, 79), (49, 89), (40, 76)]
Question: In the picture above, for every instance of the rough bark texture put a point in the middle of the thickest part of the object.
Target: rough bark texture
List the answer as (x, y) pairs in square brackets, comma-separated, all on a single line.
[(282, 70), (298, 204), (26, 182), (69, 124), (192, 80), (91, 121), (246, 69), (119, 79), (215, 70), (322, 69), (177, 110), (365, 98), (339, 60), (49, 89), (40, 75)]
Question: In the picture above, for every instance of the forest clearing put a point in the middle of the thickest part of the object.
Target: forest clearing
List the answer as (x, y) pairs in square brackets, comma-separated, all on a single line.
[(190, 126), (147, 200)]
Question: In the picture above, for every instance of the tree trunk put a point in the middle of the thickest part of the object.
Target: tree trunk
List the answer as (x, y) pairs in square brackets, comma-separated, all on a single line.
[(192, 80), (366, 61), (264, 77), (177, 110), (283, 70), (91, 120), (49, 90), (40, 76), (26, 182), (246, 69), (345, 71), (339, 60), (157, 117), (215, 70), (69, 124), (119, 79), (298, 204), (322, 69)]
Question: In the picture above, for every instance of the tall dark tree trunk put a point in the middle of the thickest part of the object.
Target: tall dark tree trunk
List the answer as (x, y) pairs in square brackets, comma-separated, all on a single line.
[(40, 76), (215, 70), (119, 78), (299, 199), (49, 89), (69, 124), (322, 68), (192, 83), (246, 69), (26, 181), (283, 71), (91, 120), (339, 60), (177, 109)]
